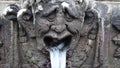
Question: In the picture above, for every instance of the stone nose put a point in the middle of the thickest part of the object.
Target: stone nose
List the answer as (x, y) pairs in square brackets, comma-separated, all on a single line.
[(58, 28)]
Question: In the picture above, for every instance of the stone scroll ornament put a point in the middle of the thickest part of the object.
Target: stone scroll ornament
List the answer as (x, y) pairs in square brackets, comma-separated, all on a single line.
[(65, 31)]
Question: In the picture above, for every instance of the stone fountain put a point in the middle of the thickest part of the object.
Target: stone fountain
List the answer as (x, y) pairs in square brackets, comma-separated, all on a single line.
[(63, 34)]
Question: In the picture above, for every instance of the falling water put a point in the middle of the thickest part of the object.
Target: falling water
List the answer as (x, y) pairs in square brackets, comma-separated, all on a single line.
[(58, 57), (103, 31)]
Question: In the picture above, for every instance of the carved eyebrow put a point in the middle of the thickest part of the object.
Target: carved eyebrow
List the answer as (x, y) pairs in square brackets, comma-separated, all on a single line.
[(71, 11), (49, 10)]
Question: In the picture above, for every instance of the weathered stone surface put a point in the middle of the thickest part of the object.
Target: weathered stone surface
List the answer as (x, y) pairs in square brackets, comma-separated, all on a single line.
[(116, 18), (108, 0), (116, 39), (4, 4), (117, 53), (88, 35)]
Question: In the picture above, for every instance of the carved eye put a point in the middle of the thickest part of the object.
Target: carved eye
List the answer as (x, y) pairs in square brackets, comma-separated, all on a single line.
[(68, 17), (50, 13), (51, 17)]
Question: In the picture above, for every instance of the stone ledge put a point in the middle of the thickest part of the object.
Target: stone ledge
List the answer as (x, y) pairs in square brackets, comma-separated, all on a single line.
[(109, 2), (9, 1)]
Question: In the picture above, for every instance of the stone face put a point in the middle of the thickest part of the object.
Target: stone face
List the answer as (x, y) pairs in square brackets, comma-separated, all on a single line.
[(54, 26), (90, 34)]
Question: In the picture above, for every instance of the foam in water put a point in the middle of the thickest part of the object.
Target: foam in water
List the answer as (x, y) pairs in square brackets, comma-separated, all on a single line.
[(58, 57)]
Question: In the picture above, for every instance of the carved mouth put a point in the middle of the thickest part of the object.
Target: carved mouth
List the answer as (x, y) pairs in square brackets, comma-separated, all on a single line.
[(54, 42), (58, 49)]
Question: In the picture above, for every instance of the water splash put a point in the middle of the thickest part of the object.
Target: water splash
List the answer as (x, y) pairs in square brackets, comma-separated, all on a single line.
[(58, 56)]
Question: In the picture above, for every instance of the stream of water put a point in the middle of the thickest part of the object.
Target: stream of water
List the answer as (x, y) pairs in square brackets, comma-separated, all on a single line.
[(58, 57)]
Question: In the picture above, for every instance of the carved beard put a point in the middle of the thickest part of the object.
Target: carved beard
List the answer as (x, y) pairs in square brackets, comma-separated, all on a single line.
[(79, 54), (41, 58)]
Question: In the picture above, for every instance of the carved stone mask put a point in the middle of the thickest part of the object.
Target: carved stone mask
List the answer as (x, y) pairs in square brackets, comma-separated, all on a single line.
[(58, 27), (59, 23)]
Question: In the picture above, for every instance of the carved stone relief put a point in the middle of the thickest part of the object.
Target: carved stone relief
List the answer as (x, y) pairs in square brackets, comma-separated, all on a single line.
[(116, 40), (65, 33)]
